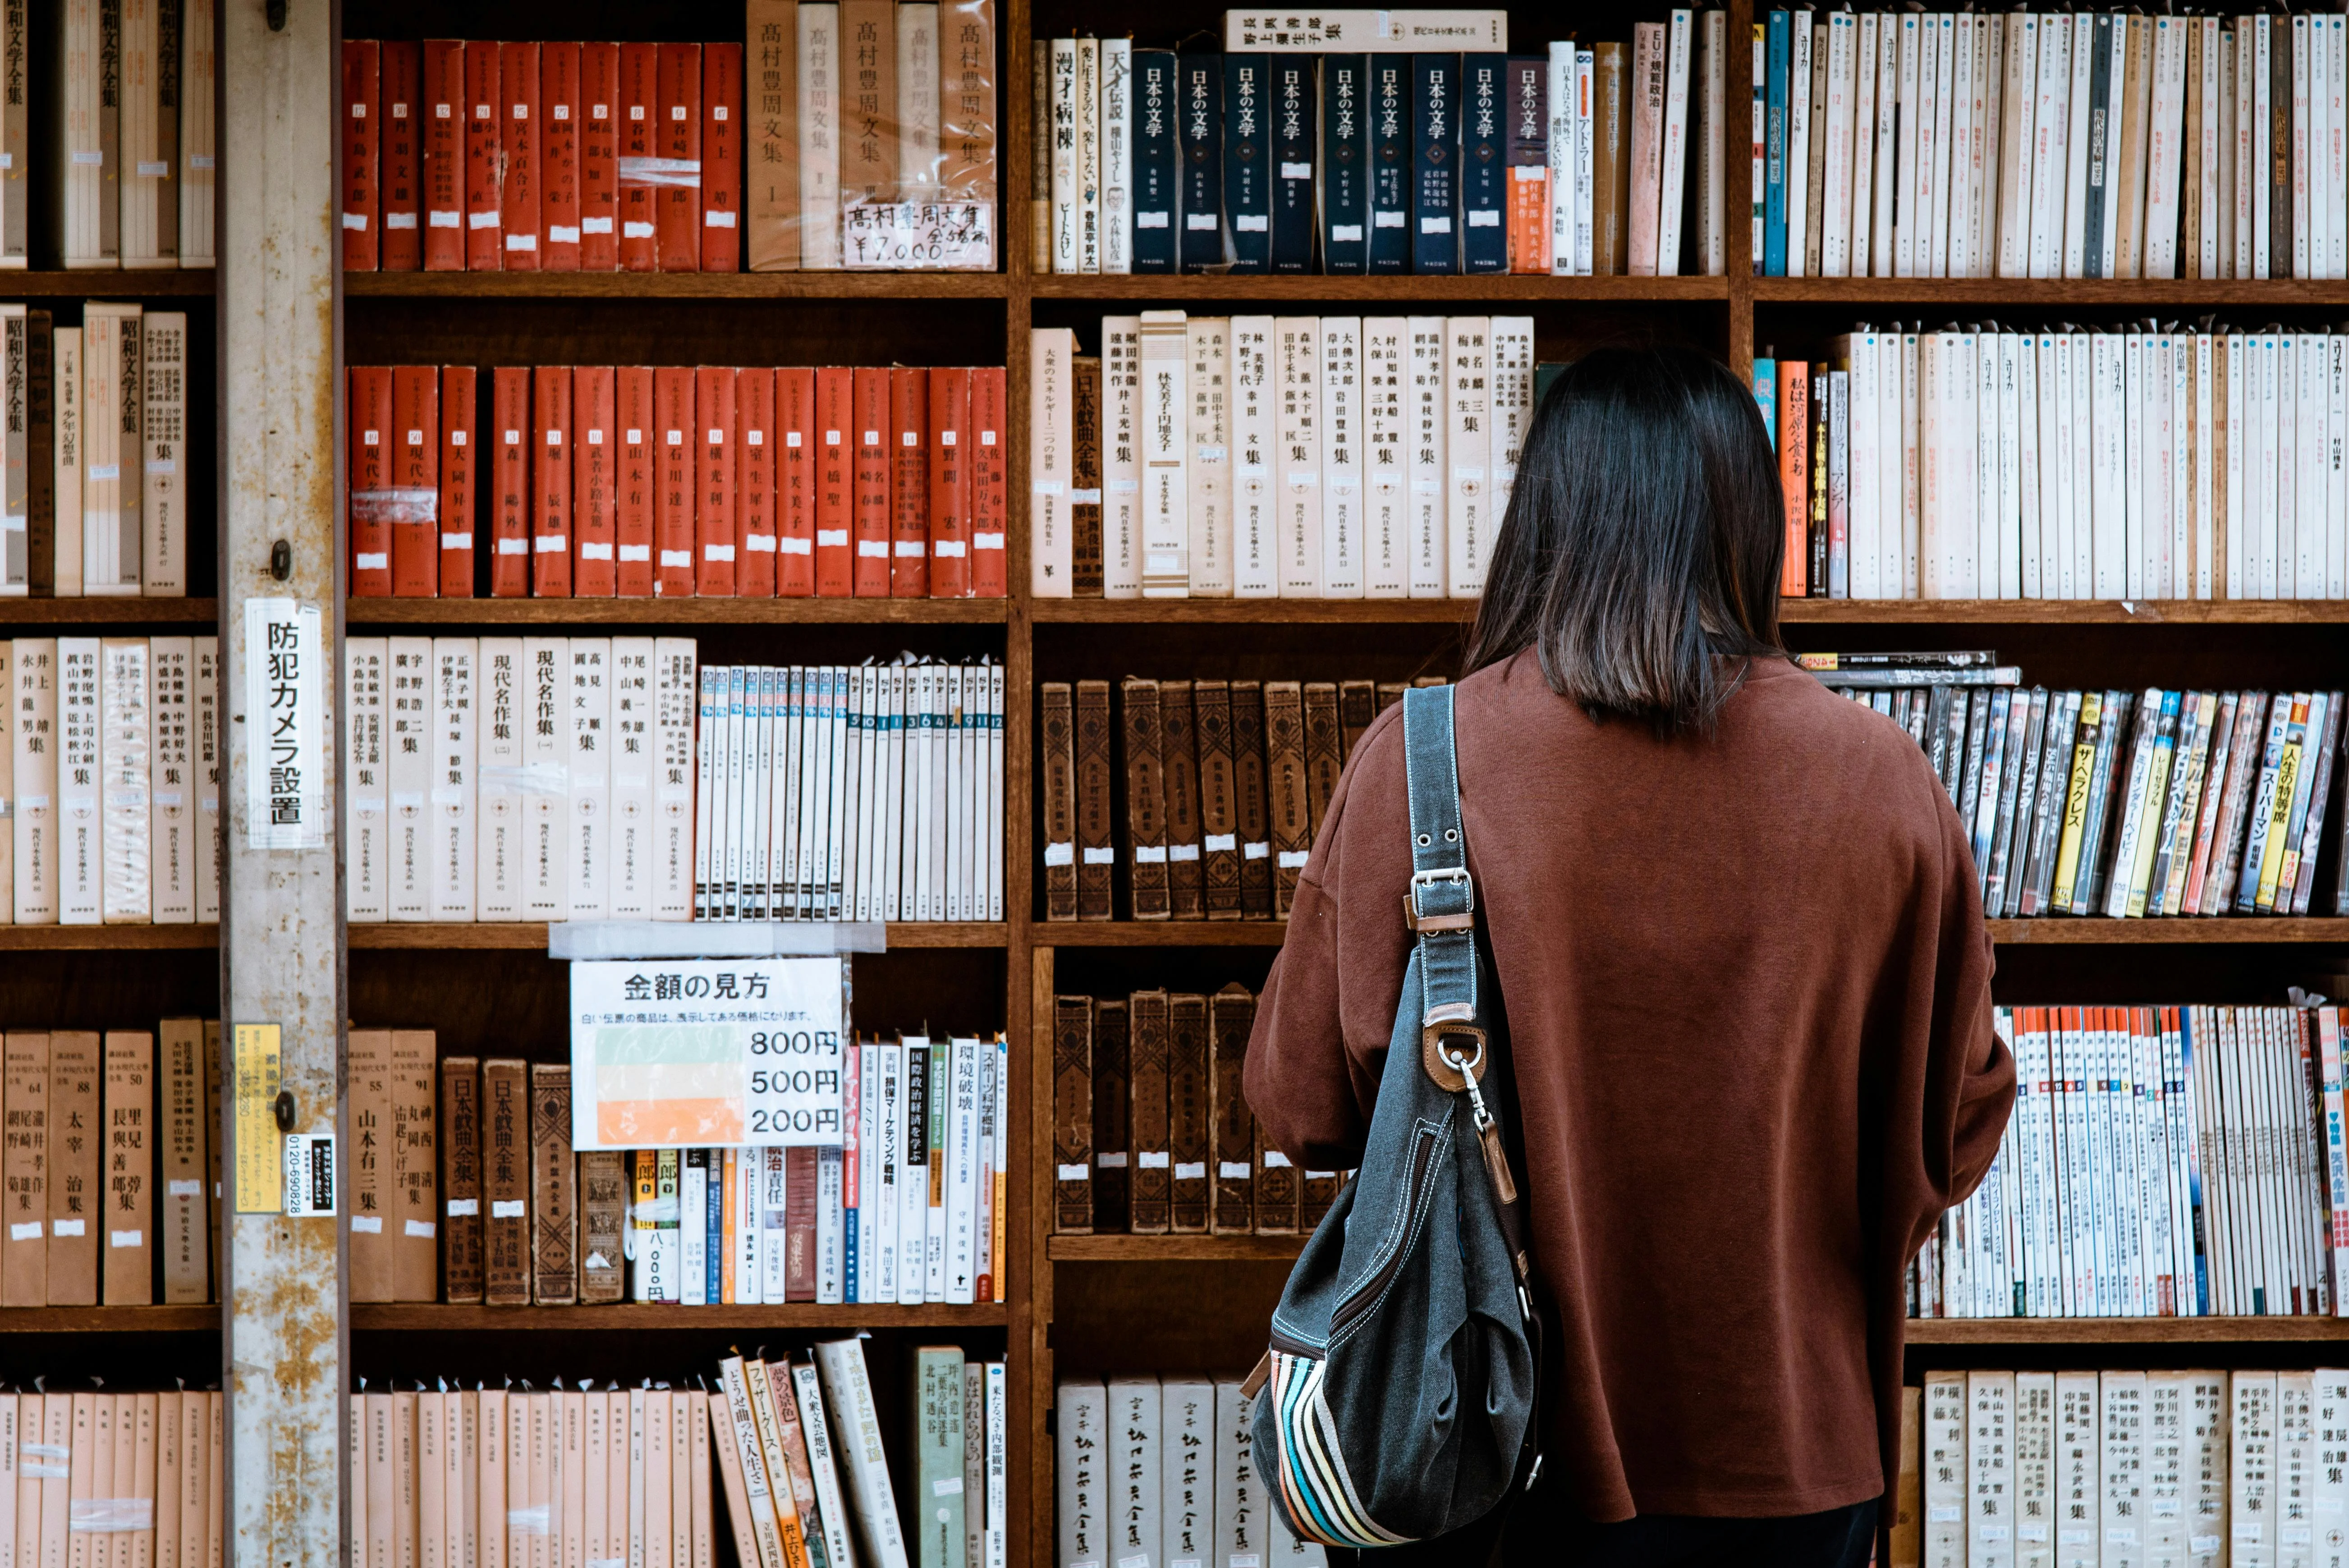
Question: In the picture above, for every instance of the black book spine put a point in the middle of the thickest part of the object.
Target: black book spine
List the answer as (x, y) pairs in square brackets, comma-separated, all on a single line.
[(1295, 123), (1202, 131), (1435, 163), (1390, 164), (2100, 83), (1248, 161), (1483, 163), (1157, 162), (1345, 166)]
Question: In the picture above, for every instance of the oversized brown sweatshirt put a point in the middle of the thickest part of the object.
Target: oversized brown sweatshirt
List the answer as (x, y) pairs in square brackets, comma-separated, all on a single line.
[(1747, 985)]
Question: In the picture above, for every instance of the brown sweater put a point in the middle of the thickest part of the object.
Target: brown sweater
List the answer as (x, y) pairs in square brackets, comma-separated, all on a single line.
[(1747, 985)]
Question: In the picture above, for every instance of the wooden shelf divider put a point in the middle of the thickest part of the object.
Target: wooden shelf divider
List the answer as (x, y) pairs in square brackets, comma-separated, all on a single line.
[(20, 615), (527, 935), (109, 1320), (411, 1317)]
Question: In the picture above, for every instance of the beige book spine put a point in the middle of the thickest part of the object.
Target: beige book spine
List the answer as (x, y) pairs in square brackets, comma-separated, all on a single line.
[(381, 1539), (170, 1434), (369, 1163), (619, 1462), (93, 1477), (9, 725), (411, 1203), (32, 1463), (748, 1546), (12, 1437), (73, 1154), (635, 1489), (431, 1482), (354, 1470), (24, 1167), (518, 1486), (490, 1483), (57, 1488), (130, 1222), (681, 1416), (216, 1492), (72, 456), (195, 1478), (596, 1465), (212, 1145), (868, 142), (187, 1274), (770, 103), (404, 1502), (456, 1479), (569, 1448), (36, 826), (693, 1409), (537, 1434), (659, 1546), (161, 456), (143, 1411)]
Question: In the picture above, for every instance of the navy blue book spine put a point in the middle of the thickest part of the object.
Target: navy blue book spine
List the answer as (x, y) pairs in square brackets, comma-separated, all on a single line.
[(1248, 161), (1157, 162), (1435, 163), (1345, 166), (1202, 130), (1390, 185), (1483, 163), (1295, 128)]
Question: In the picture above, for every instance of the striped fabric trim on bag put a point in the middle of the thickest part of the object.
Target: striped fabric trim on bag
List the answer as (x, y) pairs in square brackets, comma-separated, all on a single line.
[(1312, 1472)]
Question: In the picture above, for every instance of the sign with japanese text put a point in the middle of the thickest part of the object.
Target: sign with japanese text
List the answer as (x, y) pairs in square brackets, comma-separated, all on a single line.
[(707, 1051), (285, 710)]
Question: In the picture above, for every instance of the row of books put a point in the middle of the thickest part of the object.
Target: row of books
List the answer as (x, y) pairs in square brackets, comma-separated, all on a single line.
[(134, 136), (464, 1183), (116, 1479), (1223, 782), (865, 137), (1986, 462), (94, 480), (2200, 1467), (110, 771), (2056, 145), (1482, 164), (1275, 457), (2161, 1163), (1159, 1469), (637, 481), (108, 1155), (1152, 1133)]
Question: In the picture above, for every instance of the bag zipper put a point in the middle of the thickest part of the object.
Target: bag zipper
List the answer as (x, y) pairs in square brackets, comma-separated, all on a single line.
[(1422, 1156)]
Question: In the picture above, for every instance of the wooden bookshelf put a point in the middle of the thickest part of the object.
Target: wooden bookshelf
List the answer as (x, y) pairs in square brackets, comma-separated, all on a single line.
[(425, 1317), (530, 936), (2126, 1331), (128, 283), (533, 614), (105, 938), (109, 1320), (25, 617), (625, 288)]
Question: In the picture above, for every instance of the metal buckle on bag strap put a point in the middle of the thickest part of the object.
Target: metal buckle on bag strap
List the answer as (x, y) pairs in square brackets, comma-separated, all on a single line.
[(1454, 1069), (1422, 924)]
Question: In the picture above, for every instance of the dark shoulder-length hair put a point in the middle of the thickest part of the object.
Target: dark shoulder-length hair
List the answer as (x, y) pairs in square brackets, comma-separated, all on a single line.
[(1640, 552)]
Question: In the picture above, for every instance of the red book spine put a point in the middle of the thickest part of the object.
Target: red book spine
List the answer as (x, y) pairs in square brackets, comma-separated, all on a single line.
[(795, 460), (445, 163), (484, 160), (524, 146), (595, 475), (369, 427), (509, 520), (991, 484), (639, 104), (415, 508), (835, 480), (633, 405), (558, 195), (550, 512), (458, 456), (713, 456), (909, 482), (676, 143), (754, 482), (362, 122), (869, 481), (949, 479), (721, 158), (674, 481), (401, 185), (599, 156)]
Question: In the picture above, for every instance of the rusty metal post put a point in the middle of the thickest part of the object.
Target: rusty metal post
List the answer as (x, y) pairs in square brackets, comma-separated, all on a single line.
[(282, 979)]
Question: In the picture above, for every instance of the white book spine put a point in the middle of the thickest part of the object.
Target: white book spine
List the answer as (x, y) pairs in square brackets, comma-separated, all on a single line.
[(197, 141), (588, 848), (127, 751), (2108, 392), (1469, 517), (1386, 524), (2336, 473), (1064, 111), (498, 781), (1990, 1469), (2078, 1453), (694, 1271), (455, 778), (2311, 410), (1558, 87), (1681, 42), (2213, 144), (210, 842), (1343, 500), (632, 763), (848, 1390), (1798, 140), (1116, 156), (111, 438), (1835, 232), (81, 847), (675, 684), (1511, 382), (1866, 541), (892, 1174), (1945, 1472), (2054, 465), (1867, 50), (1050, 460), (37, 675), (1086, 100), (1134, 1439), (365, 782), (2252, 1483), (772, 1216), (1121, 457), (2046, 164), (2329, 1496), (1886, 174), (1256, 570), (2208, 486), (408, 767), (2134, 453), (824, 1459), (962, 1174), (2018, 139), (1912, 474), (1208, 476), (163, 415), (2032, 522), (66, 391), (2035, 1509), (1298, 455), (2078, 152), (546, 755), (1915, 136), (1165, 416), (1961, 85), (1428, 425), (830, 1258), (1586, 154), (2251, 184), (9, 723), (1080, 1477), (2164, 155), (1937, 204)]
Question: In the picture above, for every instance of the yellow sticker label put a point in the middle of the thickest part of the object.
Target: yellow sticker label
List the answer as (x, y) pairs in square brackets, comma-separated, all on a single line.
[(260, 1150)]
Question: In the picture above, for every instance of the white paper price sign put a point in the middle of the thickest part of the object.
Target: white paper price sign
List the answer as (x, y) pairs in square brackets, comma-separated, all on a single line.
[(669, 1052)]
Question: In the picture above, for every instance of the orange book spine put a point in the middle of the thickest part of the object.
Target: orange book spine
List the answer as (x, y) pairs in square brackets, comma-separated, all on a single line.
[(558, 156), (400, 186), (754, 483), (909, 482), (676, 143), (444, 102), (721, 158), (633, 400), (599, 156), (1795, 472), (484, 160), (510, 482), (594, 512), (712, 443), (991, 484), (795, 464), (674, 481), (414, 506), (550, 512), (639, 102), (835, 459), (457, 459), (869, 481), (949, 484), (522, 140), (362, 119), (368, 431)]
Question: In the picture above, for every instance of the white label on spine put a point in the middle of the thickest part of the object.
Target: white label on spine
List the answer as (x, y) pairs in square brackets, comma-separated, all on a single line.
[(505, 1208)]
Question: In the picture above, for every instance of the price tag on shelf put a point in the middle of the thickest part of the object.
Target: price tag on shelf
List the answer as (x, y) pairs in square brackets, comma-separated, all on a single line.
[(917, 236), (696, 1053)]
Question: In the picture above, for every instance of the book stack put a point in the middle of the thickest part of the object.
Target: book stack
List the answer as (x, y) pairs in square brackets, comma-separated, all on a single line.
[(2117, 803), (2161, 1163), (108, 1154), (2055, 145), (1225, 784), (1151, 1134), (637, 481), (133, 137), (1990, 463), (464, 1183), (1275, 457), (110, 763), (866, 139), (127, 1478), (1159, 1470), (1290, 152), (94, 492)]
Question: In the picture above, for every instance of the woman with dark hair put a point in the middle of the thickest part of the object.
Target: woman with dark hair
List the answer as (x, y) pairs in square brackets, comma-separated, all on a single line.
[(1735, 926)]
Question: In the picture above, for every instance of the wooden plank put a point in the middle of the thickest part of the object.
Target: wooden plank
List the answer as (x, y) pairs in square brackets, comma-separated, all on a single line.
[(110, 1320), (626, 287), (89, 938), (1404, 288), (1172, 1249), (2133, 293), (409, 1318), (2126, 1330), (684, 613), (1843, 612), (22, 613), (527, 934), (2095, 932), (135, 283)]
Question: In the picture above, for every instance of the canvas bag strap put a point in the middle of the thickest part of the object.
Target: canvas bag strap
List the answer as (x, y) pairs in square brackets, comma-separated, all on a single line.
[(1441, 906)]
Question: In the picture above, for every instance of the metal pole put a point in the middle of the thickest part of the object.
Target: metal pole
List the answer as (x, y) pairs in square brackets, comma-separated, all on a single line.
[(282, 980)]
